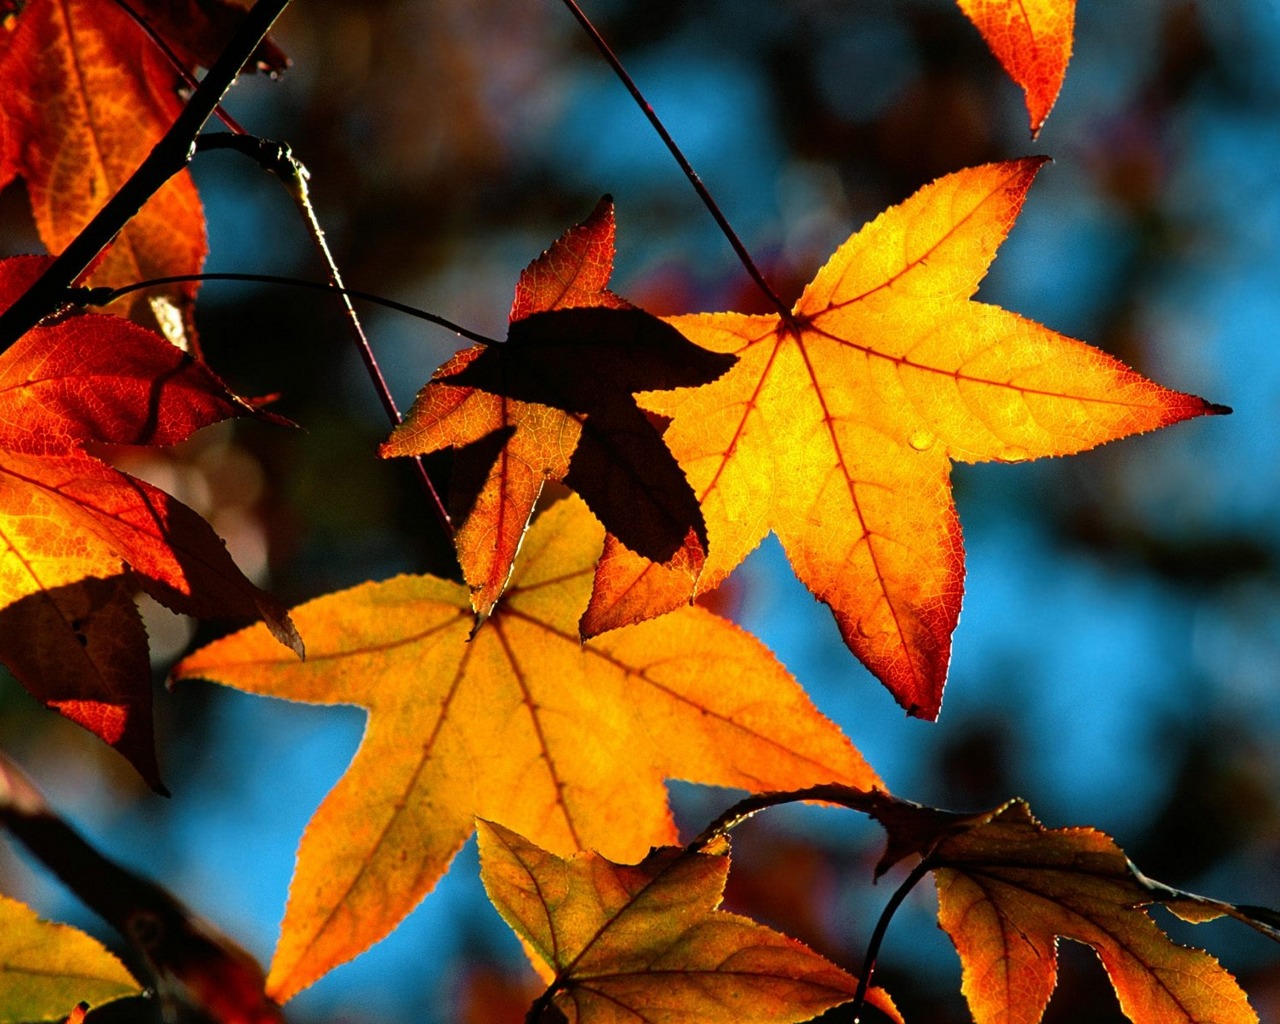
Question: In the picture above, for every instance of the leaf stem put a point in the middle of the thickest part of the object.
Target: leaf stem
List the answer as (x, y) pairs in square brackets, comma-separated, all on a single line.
[(712, 206), (877, 936), (105, 296), (169, 156), (829, 792)]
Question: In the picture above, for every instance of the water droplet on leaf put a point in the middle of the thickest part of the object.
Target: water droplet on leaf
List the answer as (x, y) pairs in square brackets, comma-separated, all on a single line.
[(921, 440)]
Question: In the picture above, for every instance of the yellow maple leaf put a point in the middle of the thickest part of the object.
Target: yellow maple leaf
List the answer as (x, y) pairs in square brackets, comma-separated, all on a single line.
[(524, 725), (837, 427)]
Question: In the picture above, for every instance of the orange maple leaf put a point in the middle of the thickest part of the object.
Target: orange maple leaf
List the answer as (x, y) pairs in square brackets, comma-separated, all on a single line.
[(1008, 888), (86, 96), (1032, 39), (66, 516), (555, 403), (838, 426), (619, 943), (567, 743)]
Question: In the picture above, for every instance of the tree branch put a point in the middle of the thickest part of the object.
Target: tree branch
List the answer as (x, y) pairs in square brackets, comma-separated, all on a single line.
[(169, 156)]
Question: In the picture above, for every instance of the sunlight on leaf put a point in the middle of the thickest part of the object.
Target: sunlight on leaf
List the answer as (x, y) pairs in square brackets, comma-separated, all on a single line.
[(622, 943), (837, 429), (569, 744), (1032, 39), (47, 968), (66, 516), (86, 96)]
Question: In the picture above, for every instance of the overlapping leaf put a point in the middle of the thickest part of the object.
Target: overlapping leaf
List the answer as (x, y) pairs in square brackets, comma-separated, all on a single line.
[(86, 94), (47, 968), (555, 403), (837, 427), (620, 943), (77, 536), (569, 744), (1008, 888), (1032, 39)]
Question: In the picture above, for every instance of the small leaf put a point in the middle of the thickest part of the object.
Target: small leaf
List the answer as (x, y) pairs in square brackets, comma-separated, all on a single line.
[(626, 943), (1008, 888), (1032, 39), (47, 968)]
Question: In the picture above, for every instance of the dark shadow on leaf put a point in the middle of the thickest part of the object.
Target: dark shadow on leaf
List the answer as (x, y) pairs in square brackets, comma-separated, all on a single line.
[(471, 466), (590, 363), (81, 649)]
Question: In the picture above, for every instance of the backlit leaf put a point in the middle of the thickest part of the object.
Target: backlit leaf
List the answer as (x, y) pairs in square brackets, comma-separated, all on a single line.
[(569, 744), (47, 968), (622, 943), (86, 96), (554, 402), (1032, 39), (837, 427), (1008, 888), (66, 516)]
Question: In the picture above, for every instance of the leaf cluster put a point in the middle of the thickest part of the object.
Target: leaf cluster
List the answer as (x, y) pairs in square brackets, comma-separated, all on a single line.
[(608, 468)]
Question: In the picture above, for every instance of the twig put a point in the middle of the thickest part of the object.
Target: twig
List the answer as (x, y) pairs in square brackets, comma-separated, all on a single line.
[(181, 69), (169, 156), (712, 206), (105, 296), (278, 158)]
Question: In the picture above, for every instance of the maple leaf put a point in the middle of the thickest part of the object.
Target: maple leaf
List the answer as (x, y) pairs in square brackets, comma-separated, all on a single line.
[(47, 968), (1032, 40), (620, 943), (555, 403), (837, 427), (1008, 888), (86, 97), (66, 516), (569, 744)]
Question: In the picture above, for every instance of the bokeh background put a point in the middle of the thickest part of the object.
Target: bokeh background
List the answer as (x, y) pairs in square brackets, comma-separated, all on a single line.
[(1118, 656)]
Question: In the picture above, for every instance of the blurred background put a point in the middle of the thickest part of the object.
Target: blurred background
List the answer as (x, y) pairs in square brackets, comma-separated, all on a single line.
[(1118, 656)]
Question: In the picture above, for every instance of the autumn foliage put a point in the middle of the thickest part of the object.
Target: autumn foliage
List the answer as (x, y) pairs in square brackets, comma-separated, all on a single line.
[(608, 470)]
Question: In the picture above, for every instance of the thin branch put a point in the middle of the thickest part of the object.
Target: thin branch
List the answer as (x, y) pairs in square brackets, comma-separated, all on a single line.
[(180, 68), (169, 156), (105, 296), (830, 792), (712, 206), (278, 158)]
